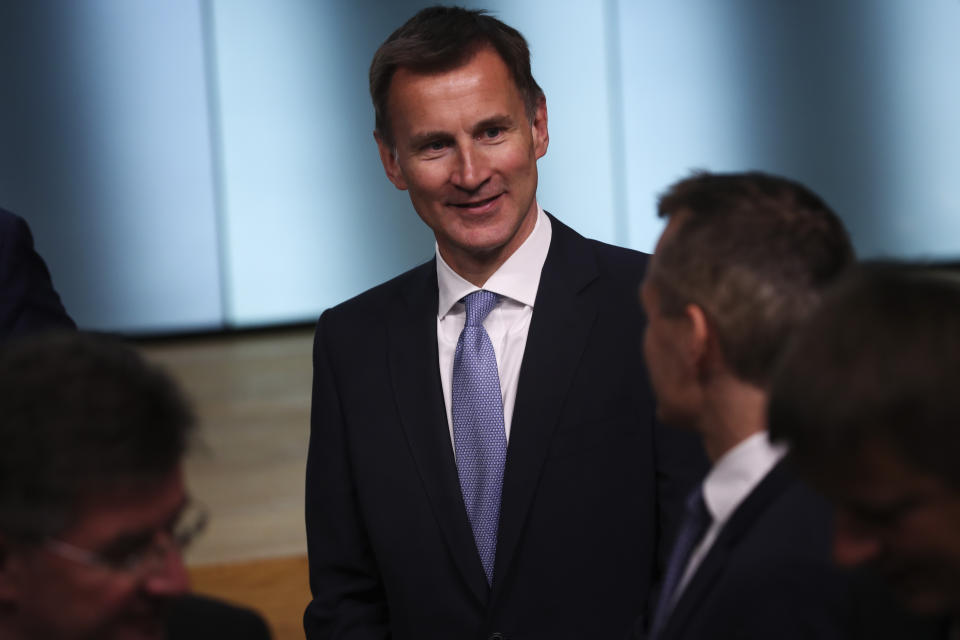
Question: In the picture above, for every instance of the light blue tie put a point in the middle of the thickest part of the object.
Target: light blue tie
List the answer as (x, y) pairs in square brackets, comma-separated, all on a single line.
[(479, 437), (696, 520)]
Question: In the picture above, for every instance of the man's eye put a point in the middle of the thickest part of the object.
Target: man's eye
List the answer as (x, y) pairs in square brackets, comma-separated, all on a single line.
[(436, 145), (492, 132), (885, 516), (125, 555)]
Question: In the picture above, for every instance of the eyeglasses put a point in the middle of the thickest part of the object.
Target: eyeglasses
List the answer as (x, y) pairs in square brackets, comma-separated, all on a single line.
[(141, 557)]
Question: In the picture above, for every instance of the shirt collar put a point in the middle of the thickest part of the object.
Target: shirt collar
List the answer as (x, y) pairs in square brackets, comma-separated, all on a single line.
[(518, 278), (737, 472)]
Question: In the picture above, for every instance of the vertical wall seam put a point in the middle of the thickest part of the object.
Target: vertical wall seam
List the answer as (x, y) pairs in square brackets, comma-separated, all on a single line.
[(618, 151), (217, 167)]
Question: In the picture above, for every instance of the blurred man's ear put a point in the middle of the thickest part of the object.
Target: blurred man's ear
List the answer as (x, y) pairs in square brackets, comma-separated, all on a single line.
[(388, 157), (701, 347), (699, 330)]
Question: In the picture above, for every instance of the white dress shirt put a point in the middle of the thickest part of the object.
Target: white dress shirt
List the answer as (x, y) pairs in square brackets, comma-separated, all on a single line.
[(728, 484), (508, 323)]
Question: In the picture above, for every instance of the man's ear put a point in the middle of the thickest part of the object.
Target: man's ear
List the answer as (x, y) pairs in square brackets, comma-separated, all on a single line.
[(541, 136), (701, 341), (388, 156)]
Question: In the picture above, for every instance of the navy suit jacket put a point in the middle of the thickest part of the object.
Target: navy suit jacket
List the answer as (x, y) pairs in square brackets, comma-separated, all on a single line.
[(28, 301), (588, 473), (768, 573)]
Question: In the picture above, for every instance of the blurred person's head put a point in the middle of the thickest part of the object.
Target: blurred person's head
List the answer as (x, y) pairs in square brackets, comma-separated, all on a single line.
[(92, 500), (460, 125), (743, 260), (867, 398)]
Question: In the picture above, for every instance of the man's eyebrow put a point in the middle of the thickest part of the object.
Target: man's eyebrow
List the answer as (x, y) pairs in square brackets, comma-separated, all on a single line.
[(420, 139), (146, 533), (878, 512), (498, 120)]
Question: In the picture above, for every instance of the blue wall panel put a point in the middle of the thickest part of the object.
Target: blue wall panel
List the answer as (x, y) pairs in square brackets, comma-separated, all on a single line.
[(104, 148), (310, 218), (194, 164)]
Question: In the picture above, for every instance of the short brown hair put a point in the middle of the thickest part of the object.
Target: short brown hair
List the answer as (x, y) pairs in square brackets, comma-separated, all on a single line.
[(439, 39), (80, 414), (877, 362), (754, 251)]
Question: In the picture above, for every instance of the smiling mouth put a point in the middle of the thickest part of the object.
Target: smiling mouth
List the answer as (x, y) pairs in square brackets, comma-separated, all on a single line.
[(475, 204)]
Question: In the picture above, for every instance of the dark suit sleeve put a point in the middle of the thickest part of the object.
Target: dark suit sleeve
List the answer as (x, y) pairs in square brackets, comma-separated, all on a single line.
[(348, 598), (28, 302)]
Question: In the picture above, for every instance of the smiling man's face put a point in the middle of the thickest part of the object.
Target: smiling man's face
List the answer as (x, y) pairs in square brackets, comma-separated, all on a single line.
[(467, 154)]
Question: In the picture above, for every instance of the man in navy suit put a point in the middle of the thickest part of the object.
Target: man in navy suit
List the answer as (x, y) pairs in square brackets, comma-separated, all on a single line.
[(28, 301), (535, 512), (742, 261)]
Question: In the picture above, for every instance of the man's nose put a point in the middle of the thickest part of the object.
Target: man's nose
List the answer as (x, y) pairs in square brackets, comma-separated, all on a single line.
[(853, 543), (169, 577), (472, 170)]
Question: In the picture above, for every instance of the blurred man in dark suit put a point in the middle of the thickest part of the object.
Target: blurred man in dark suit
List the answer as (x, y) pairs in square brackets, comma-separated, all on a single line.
[(28, 301), (484, 459), (93, 509), (867, 398), (742, 262)]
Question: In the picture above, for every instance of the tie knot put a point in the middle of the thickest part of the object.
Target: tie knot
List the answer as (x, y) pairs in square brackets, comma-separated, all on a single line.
[(479, 304)]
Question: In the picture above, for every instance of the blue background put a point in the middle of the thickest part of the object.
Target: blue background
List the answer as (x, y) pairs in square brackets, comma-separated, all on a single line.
[(203, 164)]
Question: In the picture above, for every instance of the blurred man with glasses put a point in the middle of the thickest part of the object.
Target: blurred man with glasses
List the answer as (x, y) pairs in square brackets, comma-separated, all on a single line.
[(94, 513), (866, 397)]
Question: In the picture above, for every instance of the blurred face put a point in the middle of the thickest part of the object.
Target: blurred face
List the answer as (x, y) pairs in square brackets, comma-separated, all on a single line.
[(662, 349), (671, 375), (467, 155), (904, 524), (61, 598)]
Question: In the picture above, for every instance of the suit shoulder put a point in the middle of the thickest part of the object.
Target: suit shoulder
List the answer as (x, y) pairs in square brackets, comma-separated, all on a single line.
[(620, 259), (621, 270), (799, 503), (374, 301), (14, 231), (787, 552), (9, 220), (797, 524), (612, 274), (611, 258)]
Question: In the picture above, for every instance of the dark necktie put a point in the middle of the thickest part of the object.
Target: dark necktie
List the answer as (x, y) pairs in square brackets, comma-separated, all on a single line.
[(479, 438), (696, 520)]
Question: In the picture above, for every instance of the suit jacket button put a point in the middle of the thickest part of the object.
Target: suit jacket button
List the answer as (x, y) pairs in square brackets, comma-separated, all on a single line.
[(496, 636)]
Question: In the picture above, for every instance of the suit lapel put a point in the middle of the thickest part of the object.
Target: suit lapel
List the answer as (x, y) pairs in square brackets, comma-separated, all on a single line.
[(563, 316), (413, 361), (770, 488)]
